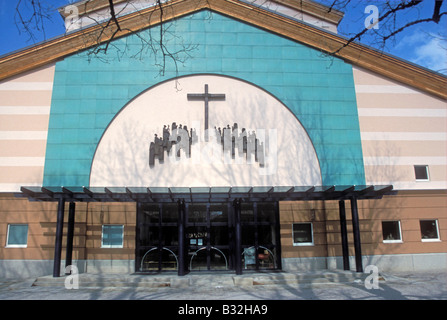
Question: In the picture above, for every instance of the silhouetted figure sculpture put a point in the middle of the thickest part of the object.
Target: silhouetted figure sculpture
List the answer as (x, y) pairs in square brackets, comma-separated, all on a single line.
[(230, 138)]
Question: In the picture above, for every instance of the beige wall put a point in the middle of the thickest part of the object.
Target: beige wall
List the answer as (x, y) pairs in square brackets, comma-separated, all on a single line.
[(400, 127), (25, 103), (98, 214), (407, 207), (41, 220)]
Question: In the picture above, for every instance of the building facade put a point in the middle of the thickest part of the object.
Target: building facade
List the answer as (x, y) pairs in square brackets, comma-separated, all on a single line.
[(241, 144)]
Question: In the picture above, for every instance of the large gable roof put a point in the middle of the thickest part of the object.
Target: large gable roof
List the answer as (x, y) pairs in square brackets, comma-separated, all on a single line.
[(355, 53)]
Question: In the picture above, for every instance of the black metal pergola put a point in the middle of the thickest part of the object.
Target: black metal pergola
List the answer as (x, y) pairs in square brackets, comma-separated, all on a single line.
[(181, 195)]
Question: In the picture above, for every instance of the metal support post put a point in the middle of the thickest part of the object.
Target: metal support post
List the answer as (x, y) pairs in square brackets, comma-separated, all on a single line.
[(58, 239), (238, 236), (344, 235), (70, 234), (181, 237), (356, 231)]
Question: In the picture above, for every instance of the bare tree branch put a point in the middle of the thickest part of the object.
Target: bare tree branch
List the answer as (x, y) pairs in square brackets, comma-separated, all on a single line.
[(390, 16), (391, 12), (113, 19), (409, 24), (34, 22), (158, 44), (436, 17)]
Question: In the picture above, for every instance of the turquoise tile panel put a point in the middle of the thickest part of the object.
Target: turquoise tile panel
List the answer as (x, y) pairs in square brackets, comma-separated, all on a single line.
[(317, 89)]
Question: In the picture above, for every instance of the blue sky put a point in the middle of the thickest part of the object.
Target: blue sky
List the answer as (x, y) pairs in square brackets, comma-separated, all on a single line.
[(424, 44)]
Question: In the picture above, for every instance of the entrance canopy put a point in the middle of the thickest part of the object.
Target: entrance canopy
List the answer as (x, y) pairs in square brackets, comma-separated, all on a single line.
[(183, 195), (205, 194)]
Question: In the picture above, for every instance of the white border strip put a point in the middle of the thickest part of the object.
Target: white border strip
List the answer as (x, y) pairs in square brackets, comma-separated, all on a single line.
[(23, 135), (404, 136), (401, 161), (15, 187), (19, 110), (411, 185), (397, 112), (22, 161), (26, 86), (366, 88)]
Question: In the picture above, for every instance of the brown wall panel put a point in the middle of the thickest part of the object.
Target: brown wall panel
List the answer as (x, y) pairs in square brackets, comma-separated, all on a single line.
[(407, 207)]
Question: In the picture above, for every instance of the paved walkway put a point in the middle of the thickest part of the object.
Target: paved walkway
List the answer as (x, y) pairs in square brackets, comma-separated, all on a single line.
[(414, 286)]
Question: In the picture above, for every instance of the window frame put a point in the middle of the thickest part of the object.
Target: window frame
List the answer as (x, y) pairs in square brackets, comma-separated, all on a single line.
[(111, 246), (8, 245), (438, 239), (427, 171), (303, 244), (400, 232)]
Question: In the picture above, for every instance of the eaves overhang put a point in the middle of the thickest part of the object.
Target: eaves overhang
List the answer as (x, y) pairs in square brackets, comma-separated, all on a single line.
[(354, 53), (204, 194)]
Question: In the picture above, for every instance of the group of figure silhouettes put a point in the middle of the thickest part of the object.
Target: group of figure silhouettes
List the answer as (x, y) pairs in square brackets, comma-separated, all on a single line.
[(178, 138)]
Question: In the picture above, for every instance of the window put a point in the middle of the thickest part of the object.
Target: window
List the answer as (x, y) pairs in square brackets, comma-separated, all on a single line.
[(303, 234), (429, 230), (421, 173), (17, 236), (112, 236), (391, 231)]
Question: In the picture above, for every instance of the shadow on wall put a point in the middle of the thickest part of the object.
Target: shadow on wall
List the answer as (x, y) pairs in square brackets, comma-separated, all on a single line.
[(122, 156)]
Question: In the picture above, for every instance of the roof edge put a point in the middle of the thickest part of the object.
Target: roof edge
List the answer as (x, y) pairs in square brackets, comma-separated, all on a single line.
[(307, 6), (355, 53), (87, 6), (316, 9)]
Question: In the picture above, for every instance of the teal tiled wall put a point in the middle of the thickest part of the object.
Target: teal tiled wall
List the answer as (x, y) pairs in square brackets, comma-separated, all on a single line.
[(90, 90)]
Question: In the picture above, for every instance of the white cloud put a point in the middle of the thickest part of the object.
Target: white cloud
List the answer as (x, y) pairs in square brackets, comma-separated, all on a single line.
[(425, 49), (432, 54)]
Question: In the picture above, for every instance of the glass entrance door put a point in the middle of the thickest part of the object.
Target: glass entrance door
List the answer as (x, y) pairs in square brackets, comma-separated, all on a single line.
[(208, 237), (260, 236), (157, 238)]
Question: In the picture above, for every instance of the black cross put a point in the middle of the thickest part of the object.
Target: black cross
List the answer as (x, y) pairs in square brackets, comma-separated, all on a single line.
[(206, 97)]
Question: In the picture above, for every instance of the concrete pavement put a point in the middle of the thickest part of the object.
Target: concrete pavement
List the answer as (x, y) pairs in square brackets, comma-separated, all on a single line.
[(414, 286)]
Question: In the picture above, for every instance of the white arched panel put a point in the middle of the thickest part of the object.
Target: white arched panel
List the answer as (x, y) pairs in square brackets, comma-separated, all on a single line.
[(122, 155)]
